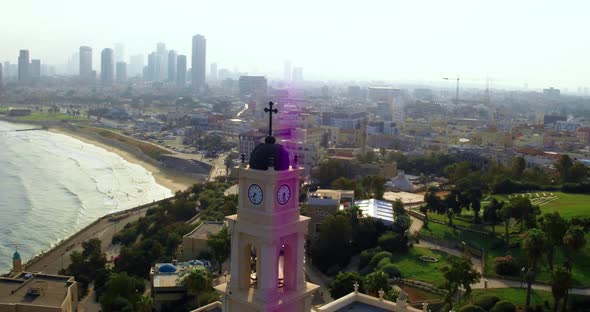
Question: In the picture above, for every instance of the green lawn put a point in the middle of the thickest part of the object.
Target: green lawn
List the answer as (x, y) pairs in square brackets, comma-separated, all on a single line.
[(518, 297), (494, 248), (43, 116), (412, 267), (515, 295), (569, 205)]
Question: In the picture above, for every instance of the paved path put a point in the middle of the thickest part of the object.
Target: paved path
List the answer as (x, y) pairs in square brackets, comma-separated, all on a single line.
[(316, 277)]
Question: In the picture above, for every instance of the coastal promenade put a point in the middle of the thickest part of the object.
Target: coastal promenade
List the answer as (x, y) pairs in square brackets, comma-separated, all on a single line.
[(103, 228)]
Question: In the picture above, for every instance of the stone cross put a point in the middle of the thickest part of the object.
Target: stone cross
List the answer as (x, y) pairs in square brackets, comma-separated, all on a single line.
[(270, 111)]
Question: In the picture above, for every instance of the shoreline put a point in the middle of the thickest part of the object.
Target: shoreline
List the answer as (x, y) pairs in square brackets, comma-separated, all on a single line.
[(174, 182)]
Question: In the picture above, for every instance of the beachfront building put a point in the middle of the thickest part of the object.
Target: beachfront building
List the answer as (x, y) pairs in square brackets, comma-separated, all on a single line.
[(194, 243), (34, 292)]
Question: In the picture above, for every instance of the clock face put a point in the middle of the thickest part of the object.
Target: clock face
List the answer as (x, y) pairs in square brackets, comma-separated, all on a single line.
[(283, 194), (255, 194)]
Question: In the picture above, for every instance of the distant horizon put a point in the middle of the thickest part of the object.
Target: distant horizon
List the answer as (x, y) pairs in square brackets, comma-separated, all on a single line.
[(514, 43)]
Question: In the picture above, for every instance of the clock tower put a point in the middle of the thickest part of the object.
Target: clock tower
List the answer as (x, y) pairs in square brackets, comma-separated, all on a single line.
[(268, 235)]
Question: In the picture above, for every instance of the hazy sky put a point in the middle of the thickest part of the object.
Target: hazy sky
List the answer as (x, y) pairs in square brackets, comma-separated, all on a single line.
[(540, 42)]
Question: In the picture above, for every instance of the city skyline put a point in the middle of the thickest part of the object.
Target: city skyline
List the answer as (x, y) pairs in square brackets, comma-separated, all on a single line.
[(515, 43)]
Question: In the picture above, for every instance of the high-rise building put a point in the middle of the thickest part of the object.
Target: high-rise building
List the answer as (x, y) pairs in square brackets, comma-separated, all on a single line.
[(287, 72), (73, 67), (1, 75), (213, 73), (150, 70), (253, 87), (121, 71), (107, 66), (181, 71), (23, 66), (161, 69), (35, 69), (172, 65), (7, 73), (297, 74), (135, 65), (198, 62), (85, 62), (119, 52)]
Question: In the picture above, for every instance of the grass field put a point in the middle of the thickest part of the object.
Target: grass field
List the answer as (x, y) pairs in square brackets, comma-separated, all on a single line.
[(518, 297), (412, 267), (494, 248), (42, 116)]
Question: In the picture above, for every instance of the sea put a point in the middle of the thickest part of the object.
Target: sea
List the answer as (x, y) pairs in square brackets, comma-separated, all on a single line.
[(52, 185)]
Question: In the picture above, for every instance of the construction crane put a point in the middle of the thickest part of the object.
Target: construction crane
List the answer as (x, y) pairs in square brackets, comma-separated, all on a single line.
[(457, 91)]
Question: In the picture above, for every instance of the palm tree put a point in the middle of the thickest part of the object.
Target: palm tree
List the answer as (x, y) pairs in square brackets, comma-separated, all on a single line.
[(573, 242), (533, 244), (555, 228), (561, 280), (505, 214)]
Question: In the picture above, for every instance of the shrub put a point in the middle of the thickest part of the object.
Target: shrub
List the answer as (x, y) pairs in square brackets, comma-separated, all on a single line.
[(383, 262), (393, 242), (366, 256), (486, 302), (378, 257), (505, 266), (391, 270), (471, 308), (503, 306)]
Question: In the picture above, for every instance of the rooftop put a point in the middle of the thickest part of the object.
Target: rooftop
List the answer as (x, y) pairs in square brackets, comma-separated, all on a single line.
[(35, 289), (205, 230)]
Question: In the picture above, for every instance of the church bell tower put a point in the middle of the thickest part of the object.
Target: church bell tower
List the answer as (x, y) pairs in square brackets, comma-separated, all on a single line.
[(268, 235)]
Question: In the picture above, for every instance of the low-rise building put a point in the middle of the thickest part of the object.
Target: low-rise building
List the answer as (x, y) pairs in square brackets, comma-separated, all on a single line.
[(323, 203), (195, 242), (378, 209), (38, 292), (166, 281)]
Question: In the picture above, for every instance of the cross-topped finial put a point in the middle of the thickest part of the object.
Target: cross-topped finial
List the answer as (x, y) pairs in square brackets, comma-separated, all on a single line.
[(270, 111)]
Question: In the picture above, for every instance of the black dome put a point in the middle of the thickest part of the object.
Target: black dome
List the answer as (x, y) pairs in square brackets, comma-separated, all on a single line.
[(268, 153)]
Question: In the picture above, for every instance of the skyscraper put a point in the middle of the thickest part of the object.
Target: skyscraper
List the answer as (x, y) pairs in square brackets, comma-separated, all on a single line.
[(287, 71), (161, 62), (35, 69), (23, 66), (297, 74), (85, 62), (121, 71), (213, 73), (135, 65), (7, 73), (181, 71), (172, 66), (150, 72), (106, 66), (119, 52), (198, 62)]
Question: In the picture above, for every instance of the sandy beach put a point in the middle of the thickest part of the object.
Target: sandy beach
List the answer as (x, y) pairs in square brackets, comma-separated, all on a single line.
[(170, 180)]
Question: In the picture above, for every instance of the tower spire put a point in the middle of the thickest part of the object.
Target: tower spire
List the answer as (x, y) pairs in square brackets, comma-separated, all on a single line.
[(270, 111)]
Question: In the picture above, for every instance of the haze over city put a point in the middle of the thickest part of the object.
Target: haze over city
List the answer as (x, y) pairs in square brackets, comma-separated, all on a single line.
[(294, 156), (534, 42)]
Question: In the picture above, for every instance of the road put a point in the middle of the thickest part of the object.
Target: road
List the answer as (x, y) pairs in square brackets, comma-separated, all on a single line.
[(59, 257)]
